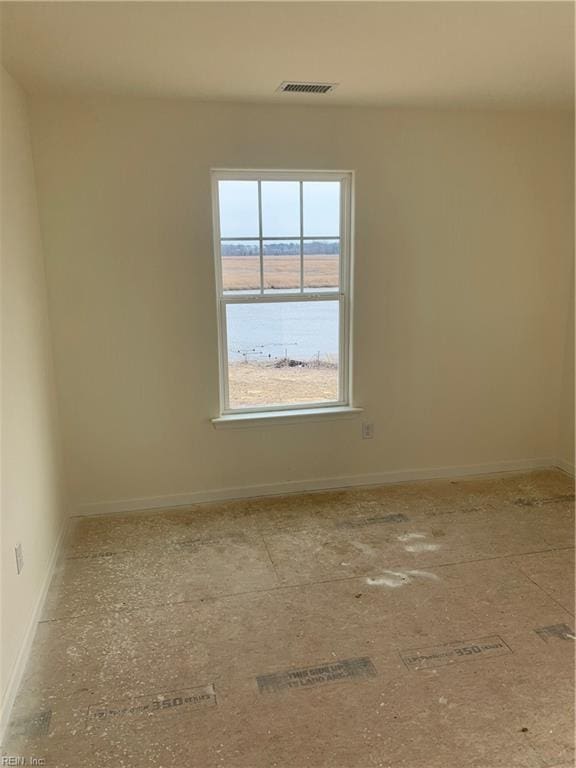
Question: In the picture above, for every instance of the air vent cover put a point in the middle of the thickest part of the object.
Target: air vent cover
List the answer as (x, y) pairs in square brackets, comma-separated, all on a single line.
[(291, 87)]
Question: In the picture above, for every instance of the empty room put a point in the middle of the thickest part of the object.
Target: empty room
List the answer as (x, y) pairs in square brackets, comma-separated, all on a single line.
[(287, 384)]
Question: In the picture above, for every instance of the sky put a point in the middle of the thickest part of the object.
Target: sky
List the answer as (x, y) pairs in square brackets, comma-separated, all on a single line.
[(280, 208)]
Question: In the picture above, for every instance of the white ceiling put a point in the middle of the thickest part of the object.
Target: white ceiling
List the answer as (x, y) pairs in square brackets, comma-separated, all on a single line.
[(381, 53)]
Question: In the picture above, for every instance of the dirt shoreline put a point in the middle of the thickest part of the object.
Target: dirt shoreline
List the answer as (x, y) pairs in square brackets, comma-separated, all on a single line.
[(253, 384)]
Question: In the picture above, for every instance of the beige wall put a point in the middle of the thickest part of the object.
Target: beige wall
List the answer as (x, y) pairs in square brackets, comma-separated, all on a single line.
[(464, 224), (566, 401), (31, 507)]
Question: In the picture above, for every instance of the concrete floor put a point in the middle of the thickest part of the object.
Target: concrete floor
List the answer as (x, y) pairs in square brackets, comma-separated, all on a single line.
[(424, 625)]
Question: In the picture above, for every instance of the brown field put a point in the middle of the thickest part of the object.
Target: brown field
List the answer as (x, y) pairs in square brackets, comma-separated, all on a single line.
[(243, 272), (264, 384)]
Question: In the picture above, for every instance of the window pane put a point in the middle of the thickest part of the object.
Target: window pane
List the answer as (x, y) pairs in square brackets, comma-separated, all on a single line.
[(281, 265), (238, 208), (281, 208), (240, 266), (282, 353), (321, 208), (321, 264)]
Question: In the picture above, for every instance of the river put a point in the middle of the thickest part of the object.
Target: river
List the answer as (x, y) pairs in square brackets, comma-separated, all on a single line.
[(300, 330)]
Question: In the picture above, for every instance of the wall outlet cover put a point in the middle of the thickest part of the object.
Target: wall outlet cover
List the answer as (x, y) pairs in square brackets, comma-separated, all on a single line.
[(367, 430), (19, 558)]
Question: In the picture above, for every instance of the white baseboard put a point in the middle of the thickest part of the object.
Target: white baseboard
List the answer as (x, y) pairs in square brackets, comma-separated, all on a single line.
[(303, 486), (565, 466), (17, 672)]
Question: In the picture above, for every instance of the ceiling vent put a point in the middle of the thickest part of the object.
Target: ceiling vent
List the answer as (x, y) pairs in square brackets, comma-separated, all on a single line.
[(291, 87)]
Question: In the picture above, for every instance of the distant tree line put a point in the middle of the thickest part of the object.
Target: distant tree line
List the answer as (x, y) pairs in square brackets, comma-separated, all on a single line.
[(311, 247)]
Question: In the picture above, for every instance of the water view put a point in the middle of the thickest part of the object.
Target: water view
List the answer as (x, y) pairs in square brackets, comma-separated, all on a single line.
[(302, 331)]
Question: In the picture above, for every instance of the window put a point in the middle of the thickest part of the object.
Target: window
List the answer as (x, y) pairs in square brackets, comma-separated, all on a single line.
[(282, 246)]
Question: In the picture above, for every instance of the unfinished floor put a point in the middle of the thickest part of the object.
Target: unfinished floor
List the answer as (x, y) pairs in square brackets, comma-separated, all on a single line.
[(424, 625)]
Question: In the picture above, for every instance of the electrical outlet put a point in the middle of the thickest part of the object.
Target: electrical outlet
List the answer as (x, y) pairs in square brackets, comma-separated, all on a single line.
[(367, 430), (19, 558)]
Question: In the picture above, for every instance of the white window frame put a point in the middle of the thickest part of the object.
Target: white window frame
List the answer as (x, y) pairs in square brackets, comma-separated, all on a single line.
[(342, 294)]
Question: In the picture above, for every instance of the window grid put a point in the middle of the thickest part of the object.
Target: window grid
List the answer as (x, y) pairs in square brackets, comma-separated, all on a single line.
[(340, 294), (282, 237), (261, 240), (301, 188), (261, 244)]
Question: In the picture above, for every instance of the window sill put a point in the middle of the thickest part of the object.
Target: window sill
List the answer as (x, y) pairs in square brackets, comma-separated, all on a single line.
[(274, 418)]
